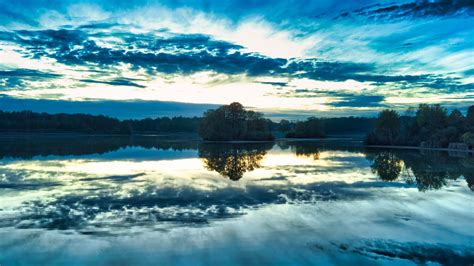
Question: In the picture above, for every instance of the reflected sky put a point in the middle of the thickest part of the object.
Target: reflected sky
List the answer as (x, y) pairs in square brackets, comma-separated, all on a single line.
[(144, 189)]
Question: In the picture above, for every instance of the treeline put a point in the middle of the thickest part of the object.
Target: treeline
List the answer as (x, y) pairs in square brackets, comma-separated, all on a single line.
[(320, 127), (27, 121), (432, 126), (229, 122)]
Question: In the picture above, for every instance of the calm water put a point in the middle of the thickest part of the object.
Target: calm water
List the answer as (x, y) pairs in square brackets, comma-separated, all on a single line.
[(148, 200)]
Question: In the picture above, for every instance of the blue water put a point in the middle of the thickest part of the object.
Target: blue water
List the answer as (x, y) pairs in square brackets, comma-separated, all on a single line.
[(146, 201)]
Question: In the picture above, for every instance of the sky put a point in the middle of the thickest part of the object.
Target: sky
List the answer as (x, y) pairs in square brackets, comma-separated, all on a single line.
[(288, 59)]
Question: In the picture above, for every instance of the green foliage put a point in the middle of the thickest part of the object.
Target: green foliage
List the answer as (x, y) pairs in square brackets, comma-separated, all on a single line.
[(233, 122), (311, 128)]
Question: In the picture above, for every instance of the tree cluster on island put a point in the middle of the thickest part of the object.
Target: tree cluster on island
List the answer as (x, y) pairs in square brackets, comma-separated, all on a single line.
[(233, 122), (431, 126)]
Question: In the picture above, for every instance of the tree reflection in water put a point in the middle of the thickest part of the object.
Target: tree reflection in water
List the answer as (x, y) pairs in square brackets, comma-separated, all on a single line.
[(233, 160), (427, 172), (387, 166), (306, 149)]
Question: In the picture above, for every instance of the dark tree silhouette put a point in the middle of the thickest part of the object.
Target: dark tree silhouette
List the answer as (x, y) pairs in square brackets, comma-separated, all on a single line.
[(233, 160), (233, 122), (431, 127), (387, 127)]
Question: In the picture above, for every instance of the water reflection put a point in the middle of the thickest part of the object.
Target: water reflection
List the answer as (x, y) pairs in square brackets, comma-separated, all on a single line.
[(387, 166), (428, 172), (308, 149), (106, 189), (70, 191), (27, 147), (233, 160)]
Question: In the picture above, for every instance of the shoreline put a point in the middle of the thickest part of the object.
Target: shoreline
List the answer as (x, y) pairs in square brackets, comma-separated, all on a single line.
[(191, 137), (6, 135)]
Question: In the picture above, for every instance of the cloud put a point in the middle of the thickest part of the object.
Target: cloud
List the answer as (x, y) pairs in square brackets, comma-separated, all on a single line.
[(181, 205), (186, 54), (115, 82), (359, 101), (418, 9), (16, 78)]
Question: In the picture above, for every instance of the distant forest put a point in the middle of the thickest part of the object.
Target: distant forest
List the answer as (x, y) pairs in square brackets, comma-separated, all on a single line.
[(31, 122)]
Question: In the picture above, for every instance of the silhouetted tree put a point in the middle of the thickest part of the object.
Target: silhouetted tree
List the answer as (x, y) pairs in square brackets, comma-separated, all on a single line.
[(233, 160), (470, 119), (284, 125), (233, 122), (431, 127), (387, 128)]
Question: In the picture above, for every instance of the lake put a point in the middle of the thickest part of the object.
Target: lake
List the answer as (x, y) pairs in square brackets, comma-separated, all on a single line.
[(157, 200)]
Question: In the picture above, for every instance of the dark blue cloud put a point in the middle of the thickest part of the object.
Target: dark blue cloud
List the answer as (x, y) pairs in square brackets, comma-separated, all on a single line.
[(22, 72), (114, 82), (417, 9), (360, 101), (343, 99), (15, 78)]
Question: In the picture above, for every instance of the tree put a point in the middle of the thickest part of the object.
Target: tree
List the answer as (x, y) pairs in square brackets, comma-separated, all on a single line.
[(468, 138), (431, 118), (233, 122), (284, 125), (456, 119), (387, 126), (470, 119)]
